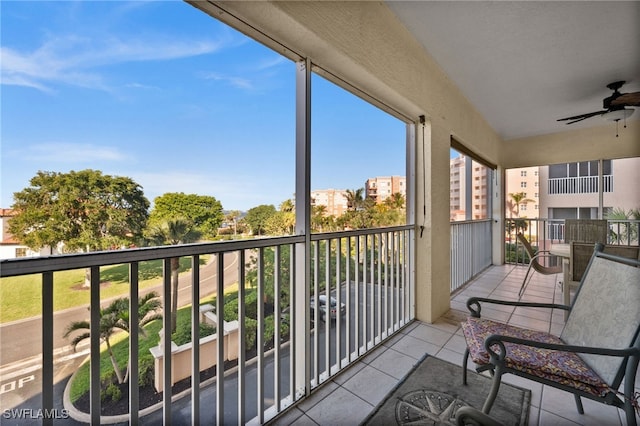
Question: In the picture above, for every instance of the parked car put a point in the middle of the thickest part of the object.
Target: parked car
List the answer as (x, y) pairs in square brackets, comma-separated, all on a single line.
[(322, 309)]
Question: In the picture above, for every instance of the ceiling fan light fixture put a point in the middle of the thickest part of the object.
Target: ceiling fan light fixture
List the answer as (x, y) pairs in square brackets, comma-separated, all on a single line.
[(618, 114)]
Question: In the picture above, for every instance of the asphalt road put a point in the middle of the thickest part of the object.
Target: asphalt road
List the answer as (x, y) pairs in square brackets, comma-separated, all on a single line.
[(21, 347), (22, 339)]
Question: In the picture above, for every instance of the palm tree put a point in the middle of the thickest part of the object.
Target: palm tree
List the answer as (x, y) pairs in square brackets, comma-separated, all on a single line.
[(174, 232), (624, 230), (232, 217), (517, 199), (395, 201), (287, 206), (355, 200), (114, 318)]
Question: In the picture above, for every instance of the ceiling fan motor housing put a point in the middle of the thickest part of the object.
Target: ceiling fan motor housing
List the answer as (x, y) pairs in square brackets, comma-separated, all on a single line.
[(606, 102)]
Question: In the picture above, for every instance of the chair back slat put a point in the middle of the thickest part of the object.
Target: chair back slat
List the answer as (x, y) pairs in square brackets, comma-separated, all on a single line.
[(606, 315), (586, 230), (526, 244)]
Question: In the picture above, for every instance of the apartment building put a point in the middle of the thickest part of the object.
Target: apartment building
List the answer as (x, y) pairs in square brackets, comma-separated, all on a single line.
[(334, 200), (571, 190), (382, 187), (523, 192), (468, 176)]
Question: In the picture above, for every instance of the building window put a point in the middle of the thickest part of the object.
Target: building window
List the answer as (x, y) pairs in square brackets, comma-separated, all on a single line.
[(21, 252), (523, 207), (535, 173), (535, 195), (523, 173), (523, 184)]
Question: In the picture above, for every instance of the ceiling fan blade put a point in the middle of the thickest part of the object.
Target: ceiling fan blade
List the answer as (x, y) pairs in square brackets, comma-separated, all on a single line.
[(581, 117), (627, 99)]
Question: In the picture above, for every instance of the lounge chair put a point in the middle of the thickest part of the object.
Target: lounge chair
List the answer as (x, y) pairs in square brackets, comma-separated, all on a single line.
[(598, 349), (535, 262)]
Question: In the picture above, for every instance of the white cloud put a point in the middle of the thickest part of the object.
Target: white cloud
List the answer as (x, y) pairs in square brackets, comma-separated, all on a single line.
[(238, 82), (63, 152), (272, 62), (76, 61)]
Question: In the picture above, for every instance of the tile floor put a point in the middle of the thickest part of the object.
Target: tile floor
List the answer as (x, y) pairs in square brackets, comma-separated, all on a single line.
[(352, 395)]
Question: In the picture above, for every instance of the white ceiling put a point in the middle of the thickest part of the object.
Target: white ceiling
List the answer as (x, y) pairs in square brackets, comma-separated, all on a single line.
[(524, 64)]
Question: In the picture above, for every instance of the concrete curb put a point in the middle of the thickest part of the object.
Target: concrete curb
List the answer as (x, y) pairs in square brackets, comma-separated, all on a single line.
[(81, 416)]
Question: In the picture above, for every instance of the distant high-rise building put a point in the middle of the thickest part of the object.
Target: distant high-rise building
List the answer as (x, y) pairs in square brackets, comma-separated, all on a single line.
[(522, 198), (461, 183), (334, 201), (382, 187)]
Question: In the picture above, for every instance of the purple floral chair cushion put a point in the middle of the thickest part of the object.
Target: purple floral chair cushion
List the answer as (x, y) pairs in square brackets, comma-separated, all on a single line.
[(566, 368)]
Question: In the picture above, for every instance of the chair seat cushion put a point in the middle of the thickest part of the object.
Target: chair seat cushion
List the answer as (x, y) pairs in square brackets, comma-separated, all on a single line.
[(566, 368)]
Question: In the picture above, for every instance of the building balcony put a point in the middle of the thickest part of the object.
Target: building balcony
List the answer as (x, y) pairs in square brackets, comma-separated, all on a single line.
[(351, 397), (360, 354)]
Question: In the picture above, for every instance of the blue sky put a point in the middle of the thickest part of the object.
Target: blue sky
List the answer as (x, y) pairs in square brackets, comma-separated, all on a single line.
[(161, 92)]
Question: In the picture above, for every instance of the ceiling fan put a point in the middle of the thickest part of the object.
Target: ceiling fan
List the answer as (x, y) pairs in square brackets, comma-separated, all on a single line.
[(614, 105)]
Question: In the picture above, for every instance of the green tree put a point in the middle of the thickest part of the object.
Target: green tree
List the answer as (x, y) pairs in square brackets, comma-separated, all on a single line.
[(280, 223), (287, 206), (257, 217), (114, 318), (624, 231), (283, 221), (395, 201), (204, 212), (82, 211), (517, 199), (174, 232), (321, 221), (232, 218), (355, 199)]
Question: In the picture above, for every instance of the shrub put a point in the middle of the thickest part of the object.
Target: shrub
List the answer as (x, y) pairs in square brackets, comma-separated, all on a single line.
[(269, 329), (251, 304), (251, 329), (231, 311), (112, 392), (146, 371), (183, 332)]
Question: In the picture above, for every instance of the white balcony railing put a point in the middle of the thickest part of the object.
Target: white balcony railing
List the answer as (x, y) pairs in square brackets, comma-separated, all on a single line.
[(470, 250), (367, 271), (579, 185), (543, 232)]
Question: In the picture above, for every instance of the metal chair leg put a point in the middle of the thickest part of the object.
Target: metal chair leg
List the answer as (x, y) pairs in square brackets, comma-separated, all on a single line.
[(579, 403), (465, 359), (493, 392), (525, 282)]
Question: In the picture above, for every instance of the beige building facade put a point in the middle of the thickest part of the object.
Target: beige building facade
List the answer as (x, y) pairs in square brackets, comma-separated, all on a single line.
[(571, 190), (468, 177), (334, 201), (382, 187)]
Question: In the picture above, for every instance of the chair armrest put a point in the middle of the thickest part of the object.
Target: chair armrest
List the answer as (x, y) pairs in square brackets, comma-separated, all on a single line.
[(497, 339), (468, 415), (475, 311), (540, 255)]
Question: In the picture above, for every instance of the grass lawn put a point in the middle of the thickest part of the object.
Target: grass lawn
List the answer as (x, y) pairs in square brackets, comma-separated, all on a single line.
[(21, 297), (120, 345)]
